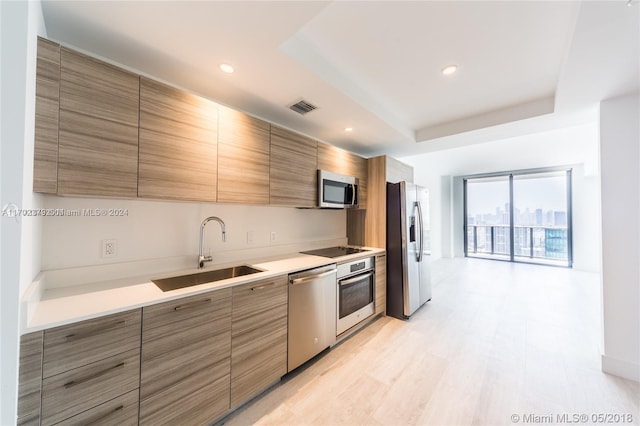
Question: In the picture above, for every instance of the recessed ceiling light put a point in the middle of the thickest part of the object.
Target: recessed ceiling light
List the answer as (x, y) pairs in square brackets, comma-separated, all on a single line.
[(226, 68), (449, 69), (348, 129)]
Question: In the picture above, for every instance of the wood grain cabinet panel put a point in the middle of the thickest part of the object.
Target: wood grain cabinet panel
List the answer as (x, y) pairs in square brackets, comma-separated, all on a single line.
[(338, 160), (243, 158), (71, 346), (45, 155), (186, 350), (293, 176), (120, 411), (178, 144), (30, 378), (258, 337), (382, 169), (72, 392), (381, 284), (98, 134)]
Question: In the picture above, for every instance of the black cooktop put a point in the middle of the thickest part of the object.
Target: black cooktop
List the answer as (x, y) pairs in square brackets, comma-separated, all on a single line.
[(334, 251)]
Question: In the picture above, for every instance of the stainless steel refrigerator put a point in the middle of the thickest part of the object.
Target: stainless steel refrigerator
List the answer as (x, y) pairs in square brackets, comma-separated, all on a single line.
[(408, 249)]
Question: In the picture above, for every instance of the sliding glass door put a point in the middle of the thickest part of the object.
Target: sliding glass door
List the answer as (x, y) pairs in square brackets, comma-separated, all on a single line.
[(488, 217), (519, 216)]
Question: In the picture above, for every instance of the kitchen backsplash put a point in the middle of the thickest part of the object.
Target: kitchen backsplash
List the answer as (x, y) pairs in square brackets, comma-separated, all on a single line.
[(141, 229)]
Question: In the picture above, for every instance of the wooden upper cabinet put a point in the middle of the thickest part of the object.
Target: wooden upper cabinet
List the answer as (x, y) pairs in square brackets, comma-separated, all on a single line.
[(293, 178), (178, 144), (98, 135), (45, 156), (338, 160), (243, 158)]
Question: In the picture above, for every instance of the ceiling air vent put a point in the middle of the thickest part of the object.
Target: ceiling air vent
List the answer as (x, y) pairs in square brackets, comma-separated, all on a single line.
[(302, 107)]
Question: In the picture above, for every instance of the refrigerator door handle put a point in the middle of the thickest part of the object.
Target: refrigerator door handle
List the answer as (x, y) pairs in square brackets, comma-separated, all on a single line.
[(420, 231)]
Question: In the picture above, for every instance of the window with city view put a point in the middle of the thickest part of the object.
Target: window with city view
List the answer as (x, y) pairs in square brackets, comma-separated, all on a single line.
[(521, 217)]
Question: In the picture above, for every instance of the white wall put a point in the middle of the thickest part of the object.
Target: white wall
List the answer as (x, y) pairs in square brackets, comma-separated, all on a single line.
[(21, 22), (620, 160), (159, 229), (569, 146)]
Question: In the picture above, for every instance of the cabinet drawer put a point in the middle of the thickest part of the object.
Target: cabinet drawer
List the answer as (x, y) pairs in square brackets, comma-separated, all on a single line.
[(184, 314), (120, 411), (72, 392), (72, 346), (32, 419), (196, 400)]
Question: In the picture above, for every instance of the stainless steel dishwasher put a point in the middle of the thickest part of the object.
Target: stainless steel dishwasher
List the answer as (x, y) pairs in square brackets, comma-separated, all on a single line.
[(312, 314)]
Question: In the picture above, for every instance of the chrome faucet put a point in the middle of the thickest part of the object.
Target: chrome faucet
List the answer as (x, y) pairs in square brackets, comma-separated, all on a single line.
[(201, 257)]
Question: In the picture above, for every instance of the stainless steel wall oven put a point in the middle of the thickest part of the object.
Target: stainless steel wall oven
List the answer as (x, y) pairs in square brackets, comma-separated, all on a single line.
[(355, 293)]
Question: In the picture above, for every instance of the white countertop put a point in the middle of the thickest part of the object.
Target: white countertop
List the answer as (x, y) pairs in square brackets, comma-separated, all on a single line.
[(47, 304)]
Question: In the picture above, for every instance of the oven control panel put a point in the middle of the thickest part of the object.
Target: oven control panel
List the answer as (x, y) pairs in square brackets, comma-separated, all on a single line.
[(355, 266)]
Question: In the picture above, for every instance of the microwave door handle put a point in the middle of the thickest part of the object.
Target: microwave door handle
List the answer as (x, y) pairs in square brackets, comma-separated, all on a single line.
[(353, 194), (420, 231)]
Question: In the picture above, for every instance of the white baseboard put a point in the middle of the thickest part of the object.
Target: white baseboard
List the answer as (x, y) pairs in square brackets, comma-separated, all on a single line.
[(624, 369)]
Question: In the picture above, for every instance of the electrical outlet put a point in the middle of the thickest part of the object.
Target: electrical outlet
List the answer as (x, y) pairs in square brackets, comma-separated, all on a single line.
[(274, 236), (109, 248)]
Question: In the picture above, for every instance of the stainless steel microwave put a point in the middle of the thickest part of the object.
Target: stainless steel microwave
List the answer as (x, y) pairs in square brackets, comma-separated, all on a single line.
[(337, 191)]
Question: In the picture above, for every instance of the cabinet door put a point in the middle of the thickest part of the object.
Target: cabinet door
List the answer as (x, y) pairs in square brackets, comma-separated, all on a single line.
[(98, 137), (293, 170), (186, 348), (258, 337), (338, 160), (243, 158), (381, 283), (45, 151), (30, 377), (178, 144)]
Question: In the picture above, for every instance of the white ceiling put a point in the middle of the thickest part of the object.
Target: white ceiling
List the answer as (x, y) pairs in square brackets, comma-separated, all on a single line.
[(524, 66)]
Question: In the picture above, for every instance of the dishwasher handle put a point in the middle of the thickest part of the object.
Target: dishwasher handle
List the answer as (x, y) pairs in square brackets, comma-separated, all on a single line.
[(296, 281)]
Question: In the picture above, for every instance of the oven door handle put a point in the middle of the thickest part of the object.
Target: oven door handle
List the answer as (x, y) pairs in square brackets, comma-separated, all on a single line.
[(355, 279)]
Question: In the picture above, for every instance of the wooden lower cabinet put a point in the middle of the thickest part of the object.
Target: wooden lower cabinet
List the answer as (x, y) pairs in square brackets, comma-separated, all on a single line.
[(258, 337), (120, 411), (186, 351), (72, 392), (381, 283), (85, 342), (30, 378)]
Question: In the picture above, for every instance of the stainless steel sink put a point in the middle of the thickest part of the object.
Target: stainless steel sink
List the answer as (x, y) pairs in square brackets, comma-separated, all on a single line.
[(181, 281)]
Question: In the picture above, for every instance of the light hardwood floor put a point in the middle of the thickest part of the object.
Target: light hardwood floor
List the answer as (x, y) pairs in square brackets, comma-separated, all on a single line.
[(497, 339)]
